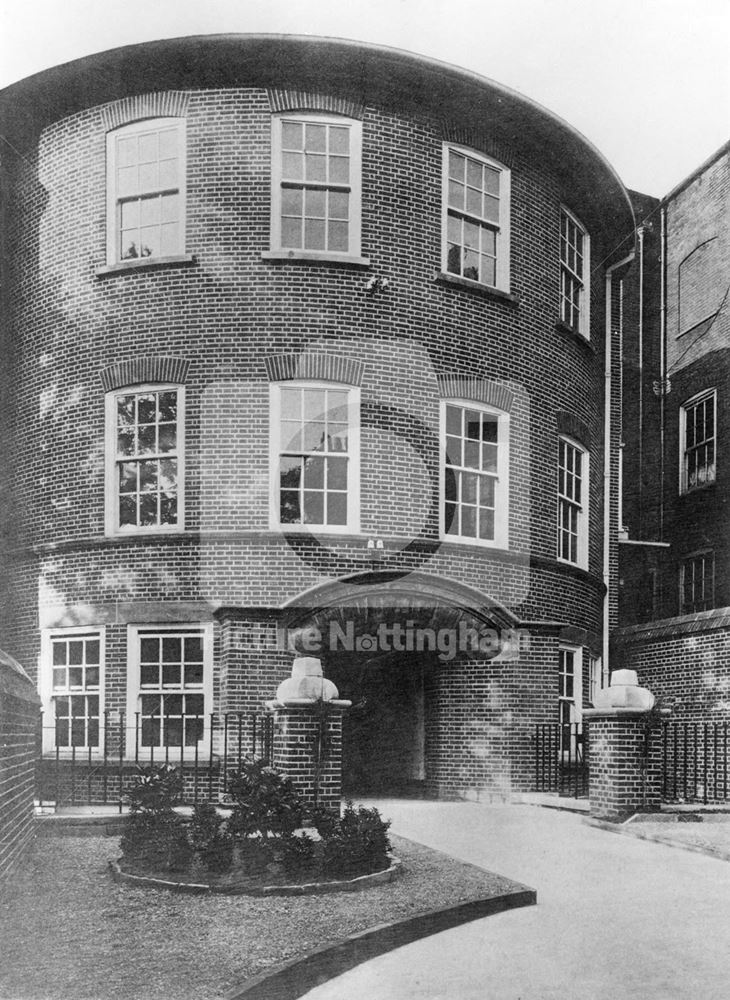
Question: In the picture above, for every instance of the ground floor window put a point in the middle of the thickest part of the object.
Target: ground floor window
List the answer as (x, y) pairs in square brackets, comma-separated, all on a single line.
[(170, 687), (71, 689), (569, 696), (697, 583)]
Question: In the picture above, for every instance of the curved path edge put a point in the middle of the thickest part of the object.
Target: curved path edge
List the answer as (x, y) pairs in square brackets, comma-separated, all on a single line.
[(297, 976)]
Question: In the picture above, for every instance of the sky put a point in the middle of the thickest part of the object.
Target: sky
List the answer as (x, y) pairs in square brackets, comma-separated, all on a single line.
[(646, 81)]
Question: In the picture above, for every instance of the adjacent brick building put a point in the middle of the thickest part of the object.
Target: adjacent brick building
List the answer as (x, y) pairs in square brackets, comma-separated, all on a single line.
[(675, 551), (308, 333)]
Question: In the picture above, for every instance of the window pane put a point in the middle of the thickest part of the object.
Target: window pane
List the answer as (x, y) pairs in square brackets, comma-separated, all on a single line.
[(339, 169), (315, 167), (292, 201), (292, 135), (313, 507), (293, 166), (314, 234), (338, 236), (148, 509), (314, 473), (291, 233), (337, 473), (289, 511), (316, 138), (339, 139), (337, 508), (127, 510)]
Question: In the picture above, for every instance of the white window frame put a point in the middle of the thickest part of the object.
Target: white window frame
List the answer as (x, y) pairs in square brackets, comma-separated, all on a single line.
[(134, 746), (354, 186), (584, 304), (708, 557), (597, 676), (574, 701), (502, 492), (583, 509), (691, 404), (46, 688), (501, 229), (113, 528), (114, 201), (353, 473)]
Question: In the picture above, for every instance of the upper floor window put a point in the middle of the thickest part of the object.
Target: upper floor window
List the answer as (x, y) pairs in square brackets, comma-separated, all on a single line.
[(315, 459), (146, 190), (476, 196), (145, 459), (476, 472), (170, 687), (71, 689), (316, 185), (572, 503), (697, 583), (574, 273), (697, 437)]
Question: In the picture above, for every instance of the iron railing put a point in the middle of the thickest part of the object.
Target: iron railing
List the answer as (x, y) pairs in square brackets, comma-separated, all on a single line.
[(561, 758), (103, 774), (695, 762)]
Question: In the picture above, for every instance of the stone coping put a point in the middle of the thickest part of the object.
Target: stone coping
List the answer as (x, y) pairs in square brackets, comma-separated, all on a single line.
[(298, 976), (356, 884)]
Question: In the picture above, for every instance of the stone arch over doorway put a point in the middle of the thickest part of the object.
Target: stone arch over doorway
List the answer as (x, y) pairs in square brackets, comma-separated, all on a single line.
[(403, 649)]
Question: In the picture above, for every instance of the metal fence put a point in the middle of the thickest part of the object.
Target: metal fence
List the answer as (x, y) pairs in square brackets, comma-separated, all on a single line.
[(103, 774), (561, 759), (695, 762)]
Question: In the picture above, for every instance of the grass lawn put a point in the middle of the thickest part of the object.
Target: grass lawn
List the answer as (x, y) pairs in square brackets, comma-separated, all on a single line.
[(68, 932)]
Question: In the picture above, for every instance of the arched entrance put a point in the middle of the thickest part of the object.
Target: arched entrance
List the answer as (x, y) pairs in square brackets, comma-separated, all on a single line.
[(388, 643)]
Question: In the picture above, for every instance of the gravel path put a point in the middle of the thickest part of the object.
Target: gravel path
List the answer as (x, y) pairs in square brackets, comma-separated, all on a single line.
[(68, 932)]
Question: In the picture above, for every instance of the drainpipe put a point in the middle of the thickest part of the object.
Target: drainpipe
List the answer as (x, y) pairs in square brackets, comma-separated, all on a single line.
[(607, 452), (640, 348), (662, 363)]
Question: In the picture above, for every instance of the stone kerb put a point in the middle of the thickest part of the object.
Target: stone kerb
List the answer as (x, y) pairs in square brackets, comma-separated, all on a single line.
[(625, 750)]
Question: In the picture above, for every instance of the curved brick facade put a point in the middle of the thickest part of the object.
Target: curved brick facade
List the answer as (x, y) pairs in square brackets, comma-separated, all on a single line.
[(226, 322)]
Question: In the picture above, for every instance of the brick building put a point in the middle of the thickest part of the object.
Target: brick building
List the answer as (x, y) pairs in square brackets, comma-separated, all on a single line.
[(675, 550), (308, 333)]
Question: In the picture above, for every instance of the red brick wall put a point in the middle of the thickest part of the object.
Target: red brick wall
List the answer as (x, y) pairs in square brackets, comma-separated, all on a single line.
[(226, 312), (18, 748), (625, 766), (685, 662)]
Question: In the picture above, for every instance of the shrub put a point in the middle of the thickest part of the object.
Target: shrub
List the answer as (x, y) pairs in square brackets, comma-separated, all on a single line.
[(155, 836), (210, 839), (265, 801), (296, 853), (357, 843)]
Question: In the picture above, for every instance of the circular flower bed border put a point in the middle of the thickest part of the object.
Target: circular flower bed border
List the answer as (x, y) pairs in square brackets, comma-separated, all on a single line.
[(306, 889)]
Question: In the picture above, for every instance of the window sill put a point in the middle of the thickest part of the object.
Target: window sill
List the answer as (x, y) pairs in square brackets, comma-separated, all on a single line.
[(570, 333), (488, 291), (314, 257), (145, 264), (137, 533), (692, 490), (475, 543)]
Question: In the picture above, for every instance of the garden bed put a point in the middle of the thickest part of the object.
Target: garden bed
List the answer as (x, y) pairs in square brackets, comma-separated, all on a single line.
[(68, 932), (234, 884)]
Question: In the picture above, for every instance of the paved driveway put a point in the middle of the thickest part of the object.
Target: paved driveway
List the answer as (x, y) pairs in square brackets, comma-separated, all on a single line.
[(616, 918)]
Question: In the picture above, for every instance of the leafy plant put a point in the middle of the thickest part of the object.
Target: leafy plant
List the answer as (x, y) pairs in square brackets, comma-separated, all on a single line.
[(155, 836), (265, 801), (357, 843), (296, 854), (210, 839)]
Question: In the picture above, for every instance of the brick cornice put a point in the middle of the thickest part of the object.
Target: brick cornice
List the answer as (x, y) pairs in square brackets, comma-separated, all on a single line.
[(139, 370)]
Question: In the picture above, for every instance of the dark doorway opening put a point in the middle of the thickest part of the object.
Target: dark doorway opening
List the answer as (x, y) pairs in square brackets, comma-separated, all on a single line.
[(384, 733)]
